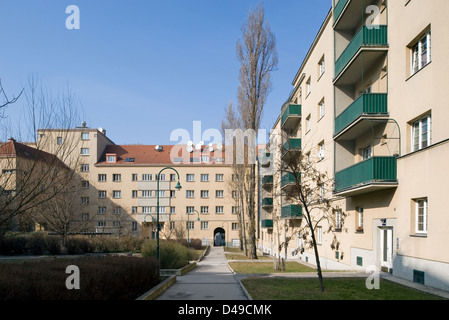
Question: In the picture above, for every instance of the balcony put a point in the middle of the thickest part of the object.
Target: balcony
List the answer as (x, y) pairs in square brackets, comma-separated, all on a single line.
[(288, 180), (366, 106), (291, 212), (371, 41), (267, 182), (267, 224), (349, 13), (374, 174), (291, 117), (267, 203), (291, 149)]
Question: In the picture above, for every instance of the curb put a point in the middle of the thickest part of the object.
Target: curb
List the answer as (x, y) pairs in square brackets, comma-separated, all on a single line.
[(156, 291)]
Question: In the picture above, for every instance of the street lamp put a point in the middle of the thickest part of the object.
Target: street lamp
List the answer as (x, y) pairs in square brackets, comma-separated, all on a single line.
[(177, 187), (188, 226)]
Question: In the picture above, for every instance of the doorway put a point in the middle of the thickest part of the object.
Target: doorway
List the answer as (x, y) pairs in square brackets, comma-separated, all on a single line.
[(386, 249), (219, 237)]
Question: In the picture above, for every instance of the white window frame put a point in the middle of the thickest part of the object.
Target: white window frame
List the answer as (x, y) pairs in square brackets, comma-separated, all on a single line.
[(417, 126), (367, 153), (204, 193), (419, 51), (190, 177), (219, 193), (425, 215), (219, 177), (190, 194), (219, 209), (204, 210), (204, 177), (85, 151)]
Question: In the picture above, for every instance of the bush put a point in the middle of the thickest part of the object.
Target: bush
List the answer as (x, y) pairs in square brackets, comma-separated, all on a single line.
[(196, 244), (14, 245), (101, 278), (173, 255), (78, 245), (36, 244)]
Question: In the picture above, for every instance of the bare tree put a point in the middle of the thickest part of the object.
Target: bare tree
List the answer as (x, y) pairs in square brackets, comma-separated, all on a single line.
[(36, 172), (310, 190), (257, 55), (6, 100)]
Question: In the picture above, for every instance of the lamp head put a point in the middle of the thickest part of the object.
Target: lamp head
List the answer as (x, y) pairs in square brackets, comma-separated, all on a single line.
[(178, 186)]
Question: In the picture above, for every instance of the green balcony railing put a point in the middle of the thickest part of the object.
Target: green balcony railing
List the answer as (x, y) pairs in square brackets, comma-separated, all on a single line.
[(338, 9), (267, 223), (267, 180), (373, 170), (288, 178), (267, 202), (365, 105), (374, 36), (291, 115), (291, 211), (291, 145)]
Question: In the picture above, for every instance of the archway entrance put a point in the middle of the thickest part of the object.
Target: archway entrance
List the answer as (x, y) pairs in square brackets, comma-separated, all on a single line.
[(219, 237)]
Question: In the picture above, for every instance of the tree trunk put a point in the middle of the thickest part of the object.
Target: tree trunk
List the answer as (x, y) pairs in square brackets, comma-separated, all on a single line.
[(252, 214)]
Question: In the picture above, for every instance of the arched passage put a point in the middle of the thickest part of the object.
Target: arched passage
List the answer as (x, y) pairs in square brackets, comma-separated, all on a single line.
[(219, 237)]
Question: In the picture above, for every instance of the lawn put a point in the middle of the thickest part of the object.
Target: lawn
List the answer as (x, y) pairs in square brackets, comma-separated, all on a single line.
[(267, 267), (335, 289)]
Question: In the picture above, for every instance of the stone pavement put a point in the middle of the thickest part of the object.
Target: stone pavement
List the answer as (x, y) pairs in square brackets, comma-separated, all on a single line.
[(212, 279)]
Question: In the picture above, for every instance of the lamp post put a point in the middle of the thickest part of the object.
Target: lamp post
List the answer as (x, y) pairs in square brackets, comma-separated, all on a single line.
[(177, 187), (188, 226)]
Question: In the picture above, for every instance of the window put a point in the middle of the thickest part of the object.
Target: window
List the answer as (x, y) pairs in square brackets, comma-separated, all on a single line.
[(219, 193), (204, 177), (190, 225), (219, 209), (321, 108), (59, 140), (359, 219), (147, 193), (421, 53), (111, 158), (366, 153), (84, 151), (134, 209), (116, 177), (134, 177), (102, 194), (172, 177), (421, 213), (172, 225), (101, 210), (234, 210), (101, 177), (190, 177), (338, 221), (85, 136), (308, 123), (172, 210), (84, 168), (161, 193), (204, 225), (319, 235), (321, 151), (134, 225), (235, 194), (321, 67), (235, 226), (160, 177), (308, 86), (146, 210), (161, 209), (85, 200), (117, 210), (134, 194), (204, 193), (147, 177), (116, 194), (85, 217), (204, 209), (204, 159), (190, 194), (190, 209), (219, 177), (421, 137), (172, 193)]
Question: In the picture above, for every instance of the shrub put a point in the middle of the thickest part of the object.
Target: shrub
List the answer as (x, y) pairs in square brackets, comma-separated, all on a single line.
[(36, 243), (13, 245), (196, 244), (130, 244), (78, 245), (173, 255)]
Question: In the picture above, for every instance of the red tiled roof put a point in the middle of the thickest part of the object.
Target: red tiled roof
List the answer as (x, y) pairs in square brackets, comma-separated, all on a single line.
[(147, 154), (12, 148)]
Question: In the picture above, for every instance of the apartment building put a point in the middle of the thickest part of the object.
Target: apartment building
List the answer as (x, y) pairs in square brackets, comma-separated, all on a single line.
[(370, 96), (124, 185)]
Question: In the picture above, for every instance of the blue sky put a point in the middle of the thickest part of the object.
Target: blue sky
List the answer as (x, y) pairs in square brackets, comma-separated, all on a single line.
[(143, 68)]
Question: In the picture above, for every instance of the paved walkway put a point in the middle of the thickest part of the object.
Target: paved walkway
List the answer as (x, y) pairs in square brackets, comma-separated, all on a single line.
[(212, 279)]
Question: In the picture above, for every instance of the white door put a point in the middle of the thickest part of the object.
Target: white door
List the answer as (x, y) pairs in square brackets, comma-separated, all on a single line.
[(386, 248)]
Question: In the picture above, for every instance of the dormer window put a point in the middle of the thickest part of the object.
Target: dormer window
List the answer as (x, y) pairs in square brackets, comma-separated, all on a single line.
[(111, 158)]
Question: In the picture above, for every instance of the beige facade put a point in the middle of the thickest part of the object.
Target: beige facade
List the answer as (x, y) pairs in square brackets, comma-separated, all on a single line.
[(120, 188), (373, 114)]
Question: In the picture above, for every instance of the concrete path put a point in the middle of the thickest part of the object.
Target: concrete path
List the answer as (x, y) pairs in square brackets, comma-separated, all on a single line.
[(210, 280)]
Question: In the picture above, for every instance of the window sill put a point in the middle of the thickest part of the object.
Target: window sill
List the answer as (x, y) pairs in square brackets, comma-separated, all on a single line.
[(412, 75), (418, 235)]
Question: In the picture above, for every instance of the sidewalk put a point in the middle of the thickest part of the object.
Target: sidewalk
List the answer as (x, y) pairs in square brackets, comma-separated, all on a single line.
[(212, 279)]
